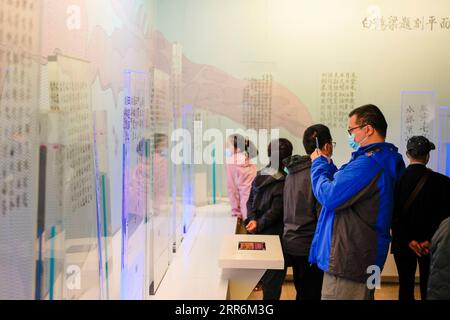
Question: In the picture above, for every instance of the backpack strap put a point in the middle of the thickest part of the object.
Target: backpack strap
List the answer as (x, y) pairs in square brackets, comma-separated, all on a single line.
[(417, 190)]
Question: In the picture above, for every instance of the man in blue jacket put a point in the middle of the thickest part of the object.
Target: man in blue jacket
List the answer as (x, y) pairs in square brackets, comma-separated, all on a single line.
[(353, 233)]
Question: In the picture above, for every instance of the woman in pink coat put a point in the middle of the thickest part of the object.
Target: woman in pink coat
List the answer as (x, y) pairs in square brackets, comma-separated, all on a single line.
[(240, 173)]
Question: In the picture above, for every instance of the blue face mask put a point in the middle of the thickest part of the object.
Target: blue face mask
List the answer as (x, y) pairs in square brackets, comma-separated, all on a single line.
[(352, 143), (286, 170), (228, 153)]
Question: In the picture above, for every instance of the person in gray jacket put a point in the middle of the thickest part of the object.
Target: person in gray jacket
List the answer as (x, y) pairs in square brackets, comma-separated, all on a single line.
[(301, 213), (439, 280)]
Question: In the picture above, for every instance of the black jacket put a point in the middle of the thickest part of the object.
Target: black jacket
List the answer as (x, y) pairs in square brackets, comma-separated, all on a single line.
[(265, 203), (427, 211), (439, 281), (301, 209)]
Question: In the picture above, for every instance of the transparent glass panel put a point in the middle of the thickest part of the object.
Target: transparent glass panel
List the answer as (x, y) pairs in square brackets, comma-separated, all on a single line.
[(19, 98), (135, 186), (71, 248), (159, 220)]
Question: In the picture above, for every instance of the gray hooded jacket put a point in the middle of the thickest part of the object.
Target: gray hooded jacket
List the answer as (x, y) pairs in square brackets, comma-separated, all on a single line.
[(301, 209), (439, 281)]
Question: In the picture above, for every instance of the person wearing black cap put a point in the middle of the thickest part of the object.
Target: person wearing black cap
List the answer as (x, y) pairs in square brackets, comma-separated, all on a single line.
[(421, 197)]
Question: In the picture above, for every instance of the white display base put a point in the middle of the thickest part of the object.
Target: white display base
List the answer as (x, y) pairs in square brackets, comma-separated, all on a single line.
[(244, 268), (241, 282)]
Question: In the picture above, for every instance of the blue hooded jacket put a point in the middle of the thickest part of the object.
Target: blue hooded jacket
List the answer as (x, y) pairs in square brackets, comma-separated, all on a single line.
[(353, 232)]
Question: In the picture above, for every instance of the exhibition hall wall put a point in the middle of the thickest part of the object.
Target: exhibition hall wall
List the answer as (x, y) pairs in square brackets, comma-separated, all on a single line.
[(94, 95)]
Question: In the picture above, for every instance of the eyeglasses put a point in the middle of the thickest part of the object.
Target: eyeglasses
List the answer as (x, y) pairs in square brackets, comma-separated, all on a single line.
[(359, 127)]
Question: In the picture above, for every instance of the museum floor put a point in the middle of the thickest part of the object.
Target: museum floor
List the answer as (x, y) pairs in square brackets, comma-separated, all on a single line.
[(388, 291)]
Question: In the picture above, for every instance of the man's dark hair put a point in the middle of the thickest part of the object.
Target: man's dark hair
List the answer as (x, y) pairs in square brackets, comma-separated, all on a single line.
[(319, 131), (371, 114), (285, 149)]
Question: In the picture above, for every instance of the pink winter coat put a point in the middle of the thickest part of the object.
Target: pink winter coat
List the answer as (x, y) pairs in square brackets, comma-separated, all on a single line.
[(240, 175)]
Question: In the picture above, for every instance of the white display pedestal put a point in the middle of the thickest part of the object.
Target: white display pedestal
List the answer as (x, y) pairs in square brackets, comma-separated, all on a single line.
[(244, 268)]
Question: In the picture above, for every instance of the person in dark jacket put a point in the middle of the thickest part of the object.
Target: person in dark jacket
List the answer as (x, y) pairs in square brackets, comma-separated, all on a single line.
[(265, 209), (353, 233), (417, 215), (301, 213), (439, 283)]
